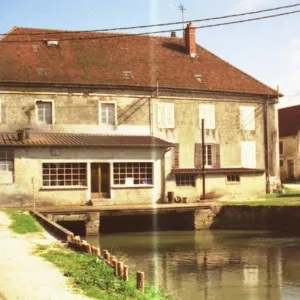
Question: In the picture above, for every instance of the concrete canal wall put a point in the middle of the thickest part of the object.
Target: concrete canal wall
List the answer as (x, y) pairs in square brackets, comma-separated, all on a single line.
[(248, 218)]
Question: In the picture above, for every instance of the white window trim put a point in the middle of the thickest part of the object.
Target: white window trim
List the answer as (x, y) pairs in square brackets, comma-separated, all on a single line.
[(53, 111), (0, 111), (113, 185), (164, 121), (64, 187), (207, 106), (99, 112), (250, 118)]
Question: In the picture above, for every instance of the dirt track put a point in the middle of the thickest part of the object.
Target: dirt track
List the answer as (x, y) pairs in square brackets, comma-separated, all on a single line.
[(25, 276)]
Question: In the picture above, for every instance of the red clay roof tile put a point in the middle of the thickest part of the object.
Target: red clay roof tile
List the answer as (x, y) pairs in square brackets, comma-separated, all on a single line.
[(66, 139), (289, 120), (103, 60)]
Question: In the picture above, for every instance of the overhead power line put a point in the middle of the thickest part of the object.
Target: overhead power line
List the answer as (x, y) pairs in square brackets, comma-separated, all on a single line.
[(159, 24), (152, 32)]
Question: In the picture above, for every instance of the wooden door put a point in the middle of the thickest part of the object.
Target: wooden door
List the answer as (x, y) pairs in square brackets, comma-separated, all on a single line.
[(100, 180)]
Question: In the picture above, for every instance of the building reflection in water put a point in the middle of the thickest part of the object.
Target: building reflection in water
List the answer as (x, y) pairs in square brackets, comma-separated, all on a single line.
[(215, 264)]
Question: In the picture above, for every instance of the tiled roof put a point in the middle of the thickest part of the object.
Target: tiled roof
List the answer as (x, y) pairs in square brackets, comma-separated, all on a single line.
[(289, 120), (63, 139), (215, 170), (102, 61)]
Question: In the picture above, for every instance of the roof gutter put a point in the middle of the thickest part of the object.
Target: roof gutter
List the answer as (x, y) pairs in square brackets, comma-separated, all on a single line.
[(12, 83)]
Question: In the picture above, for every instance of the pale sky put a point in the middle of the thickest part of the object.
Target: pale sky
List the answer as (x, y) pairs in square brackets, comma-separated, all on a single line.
[(269, 49)]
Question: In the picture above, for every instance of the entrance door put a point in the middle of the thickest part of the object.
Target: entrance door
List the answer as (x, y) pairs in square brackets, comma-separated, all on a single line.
[(290, 165), (100, 180)]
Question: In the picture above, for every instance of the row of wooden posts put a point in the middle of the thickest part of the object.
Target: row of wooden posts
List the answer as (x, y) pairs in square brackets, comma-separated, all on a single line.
[(120, 270)]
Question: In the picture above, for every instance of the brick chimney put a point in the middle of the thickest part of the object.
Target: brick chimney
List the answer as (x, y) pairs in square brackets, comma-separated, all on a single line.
[(190, 39)]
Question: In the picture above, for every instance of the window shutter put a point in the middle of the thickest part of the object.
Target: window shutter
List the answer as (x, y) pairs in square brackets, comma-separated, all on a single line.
[(247, 115), (169, 115), (216, 156), (160, 115), (207, 112), (198, 155), (175, 156), (248, 154)]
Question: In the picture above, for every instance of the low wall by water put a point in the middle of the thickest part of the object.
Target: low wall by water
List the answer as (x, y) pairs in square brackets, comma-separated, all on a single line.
[(248, 218)]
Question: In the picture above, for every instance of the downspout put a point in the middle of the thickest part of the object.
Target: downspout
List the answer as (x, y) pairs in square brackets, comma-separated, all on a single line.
[(266, 138), (163, 176), (151, 116)]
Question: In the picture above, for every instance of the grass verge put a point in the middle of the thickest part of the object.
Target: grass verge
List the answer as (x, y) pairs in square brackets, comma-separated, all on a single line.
[(22, 222), (93, 277)]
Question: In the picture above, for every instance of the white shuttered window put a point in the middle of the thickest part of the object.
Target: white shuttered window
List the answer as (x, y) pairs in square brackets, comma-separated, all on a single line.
[(248, 155), (165, 115), (247, 114), (207, 112)]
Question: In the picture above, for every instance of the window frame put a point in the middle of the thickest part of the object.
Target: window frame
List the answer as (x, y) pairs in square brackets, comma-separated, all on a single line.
[(281, 148), (206, 153), (204, 108), (114, 110), (233, 178), (165, 119), (52, 111), (9, 166), (245, 156), (121, 176), (58, 173), (185, 180), (249, 125), (281, 163)]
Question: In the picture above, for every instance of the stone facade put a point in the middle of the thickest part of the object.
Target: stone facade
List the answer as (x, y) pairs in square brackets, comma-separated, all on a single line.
[(77, 111), (289, 158)]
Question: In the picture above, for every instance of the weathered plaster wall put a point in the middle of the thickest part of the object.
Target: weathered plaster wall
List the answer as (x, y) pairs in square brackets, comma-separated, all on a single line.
[(290, 152), (28, 186), (76, 113), (227, 133), (250, 186)]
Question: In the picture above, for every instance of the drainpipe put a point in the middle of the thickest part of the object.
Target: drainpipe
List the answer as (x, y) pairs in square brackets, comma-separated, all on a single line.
[(163, 175), (151, 116), (203, 160), (266, 138)]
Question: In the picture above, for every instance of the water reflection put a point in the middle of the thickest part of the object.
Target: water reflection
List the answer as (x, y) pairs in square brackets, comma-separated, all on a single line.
[(214, 264)]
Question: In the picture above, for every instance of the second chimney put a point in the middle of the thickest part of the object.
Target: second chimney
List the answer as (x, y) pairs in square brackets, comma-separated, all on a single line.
[(190, 39)]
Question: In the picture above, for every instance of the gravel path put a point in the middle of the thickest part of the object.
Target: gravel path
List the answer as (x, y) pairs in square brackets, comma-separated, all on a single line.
[(26, 276)]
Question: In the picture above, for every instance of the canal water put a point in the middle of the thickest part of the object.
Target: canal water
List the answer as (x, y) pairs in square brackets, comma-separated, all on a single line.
[(209, 265)]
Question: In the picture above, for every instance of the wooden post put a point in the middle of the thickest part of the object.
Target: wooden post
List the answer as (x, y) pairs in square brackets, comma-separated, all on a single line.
[(203, 160), (112, 257), (107, 257), (78, 243), (125, 275), (104, 253), (140, 281), (115, 264), (98, 252), (120, 269), (86, 247)]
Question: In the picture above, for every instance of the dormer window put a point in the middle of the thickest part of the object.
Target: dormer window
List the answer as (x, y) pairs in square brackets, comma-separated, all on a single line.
[(41, 71), (199, 78), (127, 74), (52, 43), (35, 48)]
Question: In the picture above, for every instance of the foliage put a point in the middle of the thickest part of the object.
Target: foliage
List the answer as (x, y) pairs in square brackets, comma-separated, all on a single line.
[(94, 277), (22, 222)]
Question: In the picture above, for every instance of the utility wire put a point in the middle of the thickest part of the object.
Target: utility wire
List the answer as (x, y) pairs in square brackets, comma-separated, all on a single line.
[(153, 32), (155, 25)]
